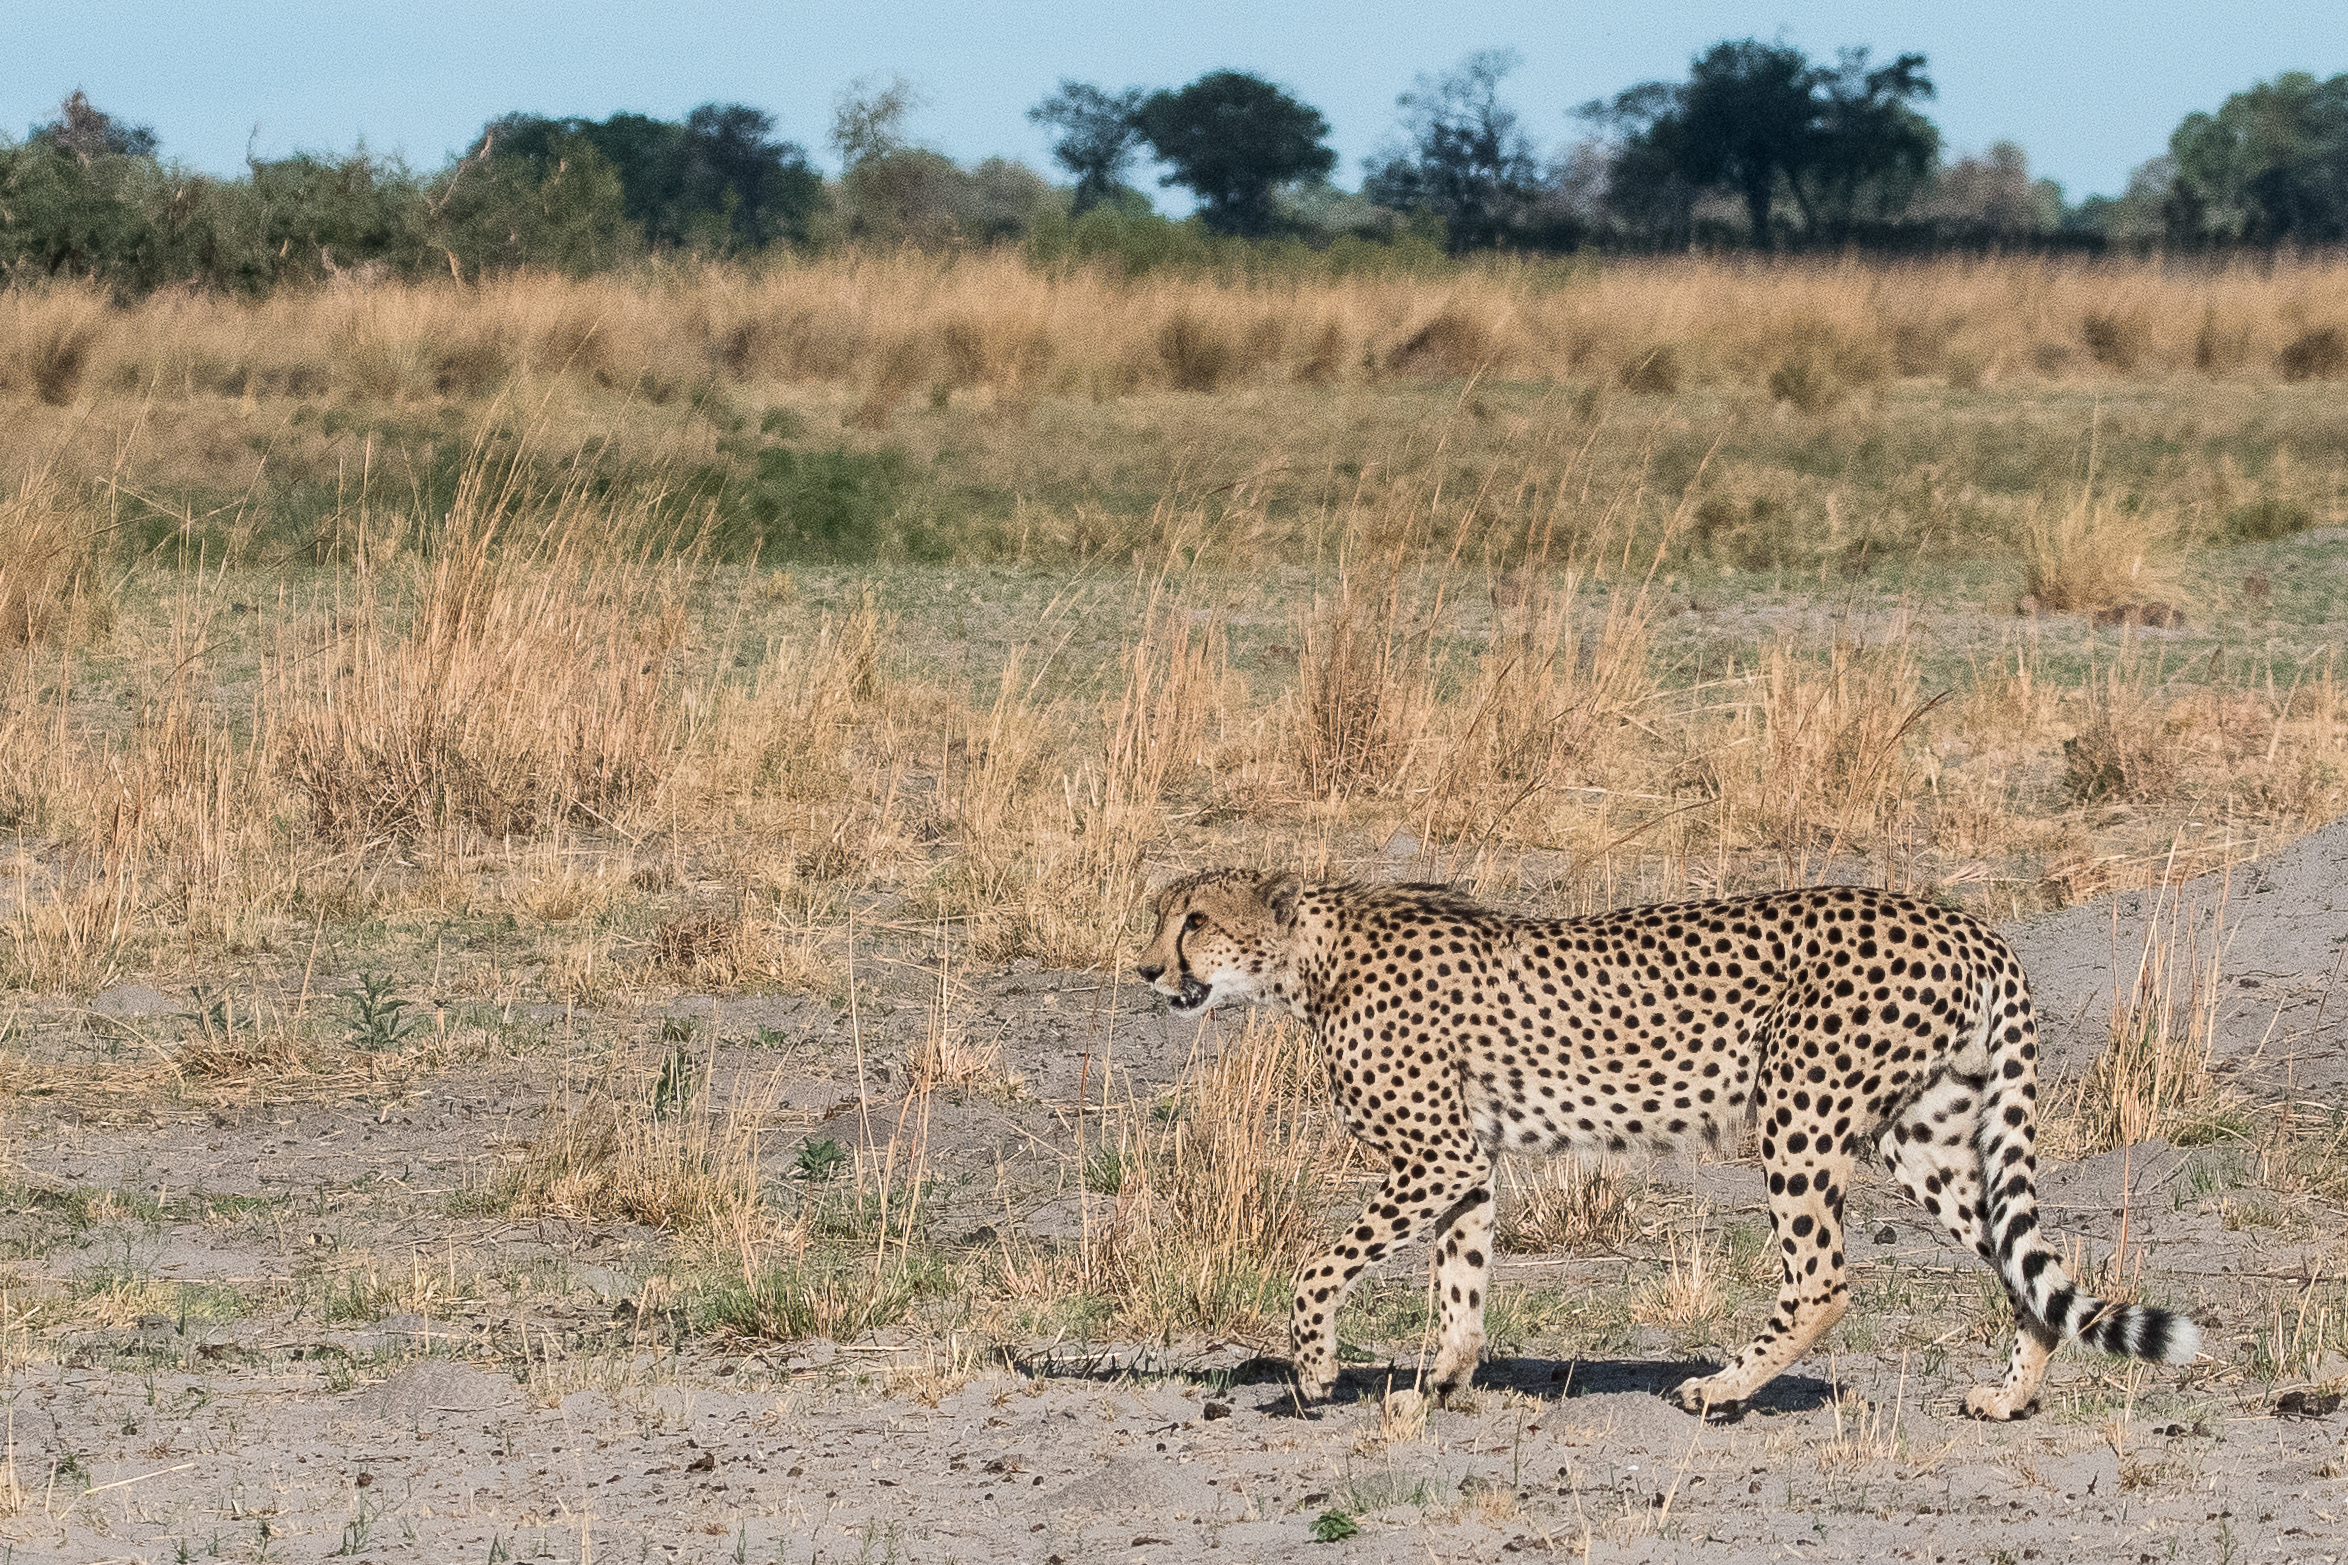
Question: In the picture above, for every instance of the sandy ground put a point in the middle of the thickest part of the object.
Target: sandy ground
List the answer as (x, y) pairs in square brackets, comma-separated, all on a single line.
[(547, 1406)]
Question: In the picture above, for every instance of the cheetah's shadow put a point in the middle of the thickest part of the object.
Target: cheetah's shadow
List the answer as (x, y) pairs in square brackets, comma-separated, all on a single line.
[(1559, 1380)]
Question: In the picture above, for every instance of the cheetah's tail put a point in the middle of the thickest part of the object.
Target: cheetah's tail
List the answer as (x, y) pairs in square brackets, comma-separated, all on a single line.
[(2030, 1264)]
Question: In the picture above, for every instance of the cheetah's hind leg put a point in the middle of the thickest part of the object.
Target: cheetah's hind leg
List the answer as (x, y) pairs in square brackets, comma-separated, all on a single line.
[(1463, 1266), (1930, 1150), (1807, 1184)]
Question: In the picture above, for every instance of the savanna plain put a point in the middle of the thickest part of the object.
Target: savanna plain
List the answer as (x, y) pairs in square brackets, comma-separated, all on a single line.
[(570, 855)]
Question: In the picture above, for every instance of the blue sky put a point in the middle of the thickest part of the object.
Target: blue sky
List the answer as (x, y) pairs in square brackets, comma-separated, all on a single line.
[(2089, 87)]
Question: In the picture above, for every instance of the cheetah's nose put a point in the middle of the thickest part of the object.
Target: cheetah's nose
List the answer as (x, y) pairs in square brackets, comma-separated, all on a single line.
[(1151, 972)]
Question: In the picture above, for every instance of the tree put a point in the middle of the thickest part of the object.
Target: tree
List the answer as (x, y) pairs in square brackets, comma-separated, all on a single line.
[(1752, 115), (2270, 167), (75, 197), (1233, 138), (2139, 218), (318, 215), (921, 197), (1097, 137), (735, 167), (89, 132), (1992, 196), (720, 181), (869, 122), (567, 211), (1867, 144), (1467, 160)]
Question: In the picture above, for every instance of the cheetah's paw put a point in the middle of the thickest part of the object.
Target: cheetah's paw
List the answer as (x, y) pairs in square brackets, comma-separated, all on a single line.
[(1698, 1396), (1997, 1405)]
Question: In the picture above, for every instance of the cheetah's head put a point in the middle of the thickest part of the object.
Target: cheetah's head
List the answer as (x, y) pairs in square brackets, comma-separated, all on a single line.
[(1223, 940)]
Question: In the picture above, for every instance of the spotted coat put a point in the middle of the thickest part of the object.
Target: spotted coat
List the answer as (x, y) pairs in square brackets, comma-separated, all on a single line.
[(1835, 1017)]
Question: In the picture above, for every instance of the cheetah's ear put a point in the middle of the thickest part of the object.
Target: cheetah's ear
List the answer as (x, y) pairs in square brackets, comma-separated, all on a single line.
[(1279, 891)]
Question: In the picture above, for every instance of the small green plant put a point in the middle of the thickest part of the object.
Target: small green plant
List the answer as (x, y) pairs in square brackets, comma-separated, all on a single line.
[(1104, 1171), (211, 1017), (823, 1295), (376, 1023), (819, 1161), (355, 1531), (770, 1038), (499, 1554), (1334, 1527), (673, 1093), (2264, 520), (837, 504)]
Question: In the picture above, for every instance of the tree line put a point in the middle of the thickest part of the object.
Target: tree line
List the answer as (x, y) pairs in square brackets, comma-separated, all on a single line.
[(1760, 146)]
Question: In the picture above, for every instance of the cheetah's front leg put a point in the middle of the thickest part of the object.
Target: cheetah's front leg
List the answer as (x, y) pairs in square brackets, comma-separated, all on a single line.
[(1420, 1191), (1805, 1217)]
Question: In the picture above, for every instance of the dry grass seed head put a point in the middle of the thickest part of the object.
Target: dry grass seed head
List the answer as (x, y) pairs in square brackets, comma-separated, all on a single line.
[(2095, 554), (46, 589), (2128, 749), (1691, 1296), (1569, 1207)]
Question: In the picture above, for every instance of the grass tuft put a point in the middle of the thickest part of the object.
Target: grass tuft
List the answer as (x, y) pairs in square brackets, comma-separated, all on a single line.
[(1220, 1201), (517, 680)]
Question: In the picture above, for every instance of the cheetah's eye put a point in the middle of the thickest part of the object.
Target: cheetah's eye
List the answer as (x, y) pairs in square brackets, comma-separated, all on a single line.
[(1195, 921)]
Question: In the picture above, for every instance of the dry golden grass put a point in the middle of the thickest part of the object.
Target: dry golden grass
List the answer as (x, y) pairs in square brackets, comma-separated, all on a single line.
[(947, 1054), (1567, 1207), (522, 682), (1365, 686), (990, 326), (2153, 1078), (1221, 1194), (1691, 1294), (689, 774), (2093, 555), (52, 335), (1815, 759), (46, 587), (648, 1143)]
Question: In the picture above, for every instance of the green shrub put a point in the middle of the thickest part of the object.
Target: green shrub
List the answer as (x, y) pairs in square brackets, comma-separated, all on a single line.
[(2317, 354), (2264, 520), (835, 505)]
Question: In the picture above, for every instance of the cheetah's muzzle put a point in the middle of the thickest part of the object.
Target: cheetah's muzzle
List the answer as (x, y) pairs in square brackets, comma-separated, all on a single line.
[(1192, 998)]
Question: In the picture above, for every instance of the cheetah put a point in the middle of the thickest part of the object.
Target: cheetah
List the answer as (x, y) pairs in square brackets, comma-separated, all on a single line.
[(1834, 1015)]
